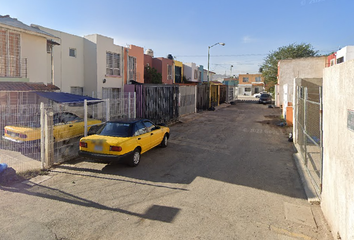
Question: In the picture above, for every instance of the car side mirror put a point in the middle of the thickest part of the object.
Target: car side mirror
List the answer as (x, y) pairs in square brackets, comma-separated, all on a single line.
[(155, 128)]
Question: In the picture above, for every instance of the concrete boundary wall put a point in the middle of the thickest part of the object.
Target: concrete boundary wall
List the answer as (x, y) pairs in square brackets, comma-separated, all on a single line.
[(338, 154)]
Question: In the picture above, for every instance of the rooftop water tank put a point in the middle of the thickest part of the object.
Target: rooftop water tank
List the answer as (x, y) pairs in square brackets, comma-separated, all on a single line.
[(149, 52)]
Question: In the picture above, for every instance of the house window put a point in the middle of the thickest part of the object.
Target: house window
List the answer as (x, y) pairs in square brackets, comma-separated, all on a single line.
[(110, 93), (247, 89), (340, 60), (10, 61), (132, 68), (72, 52), (245, 79), (49, 47), (112, 64), (332, 62), (77, 90), (169, 72), (196, 73), (258, 79)]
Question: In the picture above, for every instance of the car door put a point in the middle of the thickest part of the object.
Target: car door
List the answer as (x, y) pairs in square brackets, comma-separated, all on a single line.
[(156, 134), (142, 136)]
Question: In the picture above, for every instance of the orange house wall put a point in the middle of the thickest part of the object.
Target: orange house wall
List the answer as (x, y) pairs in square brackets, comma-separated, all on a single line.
[(138, 53), (251, 78)]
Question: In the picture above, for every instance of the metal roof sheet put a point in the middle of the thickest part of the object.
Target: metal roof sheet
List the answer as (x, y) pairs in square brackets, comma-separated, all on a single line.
[(13, 22)]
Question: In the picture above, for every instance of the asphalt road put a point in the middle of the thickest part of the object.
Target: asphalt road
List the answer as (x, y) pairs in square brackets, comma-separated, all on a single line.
[(226, 174)]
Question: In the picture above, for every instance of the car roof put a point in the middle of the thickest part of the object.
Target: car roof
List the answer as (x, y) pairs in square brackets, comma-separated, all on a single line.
[(127, 120)]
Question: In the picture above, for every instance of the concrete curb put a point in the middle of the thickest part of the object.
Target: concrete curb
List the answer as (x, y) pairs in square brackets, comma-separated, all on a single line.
[(306, 181)]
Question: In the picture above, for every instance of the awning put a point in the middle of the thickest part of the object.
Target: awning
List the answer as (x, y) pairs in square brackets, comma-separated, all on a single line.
[(61, 97)]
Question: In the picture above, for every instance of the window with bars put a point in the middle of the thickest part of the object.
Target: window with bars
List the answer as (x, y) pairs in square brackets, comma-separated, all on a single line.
[(72, 52), (112, 64), (169, 72), (10, 61), (77, 90), (196, 73), (111, 93), (132, 68)]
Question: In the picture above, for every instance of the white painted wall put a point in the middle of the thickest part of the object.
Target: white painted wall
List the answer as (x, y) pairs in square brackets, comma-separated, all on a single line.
[(191, 67), (34, 48), (338, 155), (346, 52), (290, 69), (68, 71), (90, 65)]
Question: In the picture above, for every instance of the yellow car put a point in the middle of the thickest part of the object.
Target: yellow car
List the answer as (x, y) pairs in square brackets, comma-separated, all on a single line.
[(124, 140), (66, 126)]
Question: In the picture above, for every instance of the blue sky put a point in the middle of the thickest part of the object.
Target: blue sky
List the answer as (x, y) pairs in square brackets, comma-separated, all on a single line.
[(250, 29)]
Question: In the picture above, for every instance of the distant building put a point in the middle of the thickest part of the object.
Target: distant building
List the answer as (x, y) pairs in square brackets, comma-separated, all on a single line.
[(342, 55), (250, 84), (232, 81)]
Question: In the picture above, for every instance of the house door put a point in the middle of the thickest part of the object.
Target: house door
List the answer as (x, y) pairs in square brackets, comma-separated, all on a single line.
[(178, 75)]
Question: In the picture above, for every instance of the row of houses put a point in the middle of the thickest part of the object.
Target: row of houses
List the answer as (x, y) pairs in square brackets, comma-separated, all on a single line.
[(316, 97), (92, 65)]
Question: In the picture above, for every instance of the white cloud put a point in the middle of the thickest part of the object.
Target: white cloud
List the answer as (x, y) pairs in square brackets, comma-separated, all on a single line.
[(248, 39)]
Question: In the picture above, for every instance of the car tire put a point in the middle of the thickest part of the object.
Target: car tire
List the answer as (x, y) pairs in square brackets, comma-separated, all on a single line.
[(164, 142), (135, 160)]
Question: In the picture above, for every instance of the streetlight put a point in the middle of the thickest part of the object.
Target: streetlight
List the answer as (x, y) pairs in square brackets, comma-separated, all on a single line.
[(220, 43)]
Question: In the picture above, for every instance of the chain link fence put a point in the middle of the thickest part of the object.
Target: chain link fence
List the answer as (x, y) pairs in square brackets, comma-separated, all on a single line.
[(50, 133)]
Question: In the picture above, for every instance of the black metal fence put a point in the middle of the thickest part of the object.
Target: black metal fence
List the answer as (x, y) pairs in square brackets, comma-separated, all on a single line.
[(158, 103)]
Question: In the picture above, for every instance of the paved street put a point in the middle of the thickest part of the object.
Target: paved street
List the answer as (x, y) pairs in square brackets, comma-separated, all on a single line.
[(226, 174)]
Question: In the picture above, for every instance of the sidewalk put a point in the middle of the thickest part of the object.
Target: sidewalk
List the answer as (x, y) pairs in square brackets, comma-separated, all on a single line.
[(19, 162)]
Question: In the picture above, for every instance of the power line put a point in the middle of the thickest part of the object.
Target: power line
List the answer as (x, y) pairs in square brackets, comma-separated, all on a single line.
[(240, 55), (234, 55)]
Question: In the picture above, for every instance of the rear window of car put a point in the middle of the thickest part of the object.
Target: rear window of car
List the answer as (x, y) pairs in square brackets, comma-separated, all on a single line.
[(114, 129), (265, 95)]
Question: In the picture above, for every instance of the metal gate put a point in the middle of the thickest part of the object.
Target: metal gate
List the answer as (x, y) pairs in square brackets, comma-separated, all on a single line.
[(308, 130)]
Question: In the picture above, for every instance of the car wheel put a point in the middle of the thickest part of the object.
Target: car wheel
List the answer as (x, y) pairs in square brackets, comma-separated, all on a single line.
[(135, 158), (164, 141)]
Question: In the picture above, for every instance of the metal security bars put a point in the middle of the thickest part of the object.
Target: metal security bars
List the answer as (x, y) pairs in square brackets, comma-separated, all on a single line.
[(308, 131)]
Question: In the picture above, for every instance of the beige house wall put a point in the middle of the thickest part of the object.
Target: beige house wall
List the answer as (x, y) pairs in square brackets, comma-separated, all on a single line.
[(34, 48), (290, 69), (338, 154), (68, 70)]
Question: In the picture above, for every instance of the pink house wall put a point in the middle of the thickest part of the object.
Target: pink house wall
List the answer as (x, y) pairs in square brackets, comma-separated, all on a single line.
[(161, 65)]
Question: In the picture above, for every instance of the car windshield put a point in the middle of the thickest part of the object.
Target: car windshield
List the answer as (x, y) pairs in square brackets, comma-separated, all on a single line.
[(115, 129)]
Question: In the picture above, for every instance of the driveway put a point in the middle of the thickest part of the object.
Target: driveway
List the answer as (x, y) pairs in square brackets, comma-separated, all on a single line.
[(226, 174)]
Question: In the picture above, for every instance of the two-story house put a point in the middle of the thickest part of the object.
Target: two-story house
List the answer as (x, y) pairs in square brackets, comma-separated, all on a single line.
[(250, 84), (191, 72), (25, 56), (165, 67)]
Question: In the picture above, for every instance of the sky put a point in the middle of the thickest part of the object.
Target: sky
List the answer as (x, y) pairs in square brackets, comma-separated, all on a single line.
[(250, 29)]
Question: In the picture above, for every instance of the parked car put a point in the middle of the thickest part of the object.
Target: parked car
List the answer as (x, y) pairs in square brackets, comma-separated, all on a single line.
[(124, 140), (257, 95), (265, 98), (66, 126)]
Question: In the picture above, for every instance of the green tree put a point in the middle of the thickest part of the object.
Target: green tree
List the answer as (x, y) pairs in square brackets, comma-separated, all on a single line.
[(269, 67), (152, 76)]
